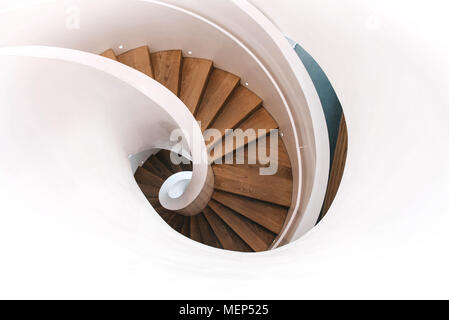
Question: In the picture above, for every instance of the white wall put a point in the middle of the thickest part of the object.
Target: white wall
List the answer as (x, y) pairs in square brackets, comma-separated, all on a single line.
[(386, 233)]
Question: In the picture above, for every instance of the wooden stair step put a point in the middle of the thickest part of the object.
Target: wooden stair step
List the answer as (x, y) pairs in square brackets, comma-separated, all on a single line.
[(229, 240), (207, 234), (219, 88), (283, 158), (164, 157), (258, 238), (195, 73), (195, 232), (139, 59), (251, 152), (268, 215), (167, 69), (143, 176), (154, 202), (260, 119), (241, 104), (154, 165), (110, 54), (185, 230), (176, 221), (245, 180), (149, 191), (164, 213)]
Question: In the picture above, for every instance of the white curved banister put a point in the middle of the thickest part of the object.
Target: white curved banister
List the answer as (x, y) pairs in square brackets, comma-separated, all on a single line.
[(312, 134), (300, 114), (168, 114)]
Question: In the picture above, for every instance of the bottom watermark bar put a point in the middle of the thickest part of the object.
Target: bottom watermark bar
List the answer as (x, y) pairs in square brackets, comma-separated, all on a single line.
[(164, 309)]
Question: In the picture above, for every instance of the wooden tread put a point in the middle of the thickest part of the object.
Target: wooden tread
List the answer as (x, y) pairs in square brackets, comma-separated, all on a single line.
[(164, 213), (259, 120), (207, 234), (250, 152), (195, 73), (241, 104), (176, 221), (157, 167), (268, 215), (143, 176), (164, 157), (154, 202), (228, 238), (195, 233), (139, 59), (185, 230), (167, 69), (254, 236), (110, 54), (219, 88), (283, 158), (245, 180), (149, 191)]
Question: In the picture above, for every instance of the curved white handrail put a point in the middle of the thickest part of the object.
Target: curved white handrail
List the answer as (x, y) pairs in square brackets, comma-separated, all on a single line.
[(171, 114), (308, 215)]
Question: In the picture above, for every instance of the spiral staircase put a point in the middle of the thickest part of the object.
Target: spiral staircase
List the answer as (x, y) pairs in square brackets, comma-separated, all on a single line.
[(86, 149), (247, 210), (157, 88)]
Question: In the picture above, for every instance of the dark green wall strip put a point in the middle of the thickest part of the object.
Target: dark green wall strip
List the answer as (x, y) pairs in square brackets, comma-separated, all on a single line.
[(329, 100)]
